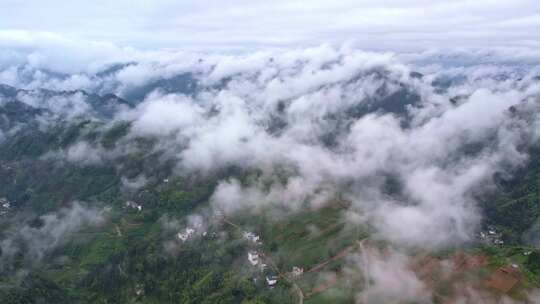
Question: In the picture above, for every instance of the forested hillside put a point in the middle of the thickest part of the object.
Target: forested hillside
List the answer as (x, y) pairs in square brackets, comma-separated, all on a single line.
[(324, 176)]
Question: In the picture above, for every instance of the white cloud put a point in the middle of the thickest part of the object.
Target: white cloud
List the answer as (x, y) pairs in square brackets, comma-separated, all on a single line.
[(389, 279), (55, 229), (302, 110), (161, 115)]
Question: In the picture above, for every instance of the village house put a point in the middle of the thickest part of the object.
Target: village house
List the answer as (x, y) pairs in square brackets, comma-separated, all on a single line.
[(5, 205), (133, 205), (253, 258), (252, 237), (139, 290), (271, 280), (297, 271), (186, 235), (491, 236)]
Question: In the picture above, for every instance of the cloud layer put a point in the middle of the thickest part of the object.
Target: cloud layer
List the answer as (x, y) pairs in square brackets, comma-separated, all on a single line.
[(404, 148)]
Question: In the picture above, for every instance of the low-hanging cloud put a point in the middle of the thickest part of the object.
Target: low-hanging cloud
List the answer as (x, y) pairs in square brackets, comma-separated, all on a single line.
[(51, 230), (337, 122)]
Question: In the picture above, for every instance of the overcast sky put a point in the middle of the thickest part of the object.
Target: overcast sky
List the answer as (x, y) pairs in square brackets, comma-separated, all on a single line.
[(211, 25)]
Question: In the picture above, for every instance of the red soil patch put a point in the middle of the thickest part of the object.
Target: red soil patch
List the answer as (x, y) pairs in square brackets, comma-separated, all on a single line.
[(504, 279), (427, 270), (465, 262)]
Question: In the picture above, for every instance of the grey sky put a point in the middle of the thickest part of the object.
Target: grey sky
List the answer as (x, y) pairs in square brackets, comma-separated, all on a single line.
[(211, 25)]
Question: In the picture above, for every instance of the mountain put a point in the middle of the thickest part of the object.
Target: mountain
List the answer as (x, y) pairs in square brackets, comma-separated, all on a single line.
[(292, 181)]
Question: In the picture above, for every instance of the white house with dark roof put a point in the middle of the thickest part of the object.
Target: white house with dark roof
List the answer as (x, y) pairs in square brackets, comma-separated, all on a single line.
[(253, 258)]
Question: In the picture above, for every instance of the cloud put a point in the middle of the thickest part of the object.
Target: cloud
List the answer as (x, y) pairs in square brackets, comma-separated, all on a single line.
[(389, 275), (135, 183), (49, 231), (336, 122), (52, 51), (162, 115), (81, 153), (84, 153), (67, 107), (438, 178), (388, 278), (240, 25)]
